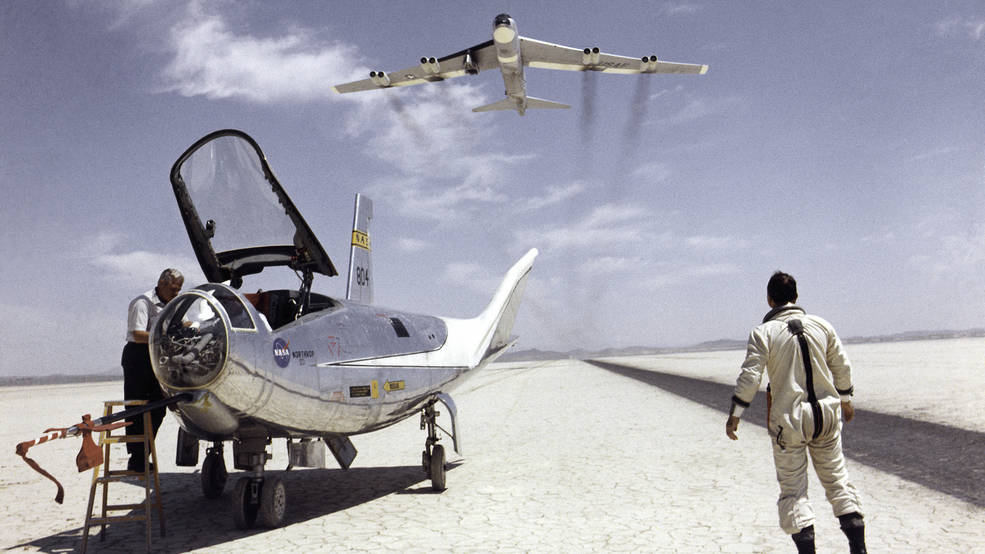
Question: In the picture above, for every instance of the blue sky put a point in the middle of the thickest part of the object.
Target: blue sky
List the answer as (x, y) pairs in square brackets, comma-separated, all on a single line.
[(843, 142)]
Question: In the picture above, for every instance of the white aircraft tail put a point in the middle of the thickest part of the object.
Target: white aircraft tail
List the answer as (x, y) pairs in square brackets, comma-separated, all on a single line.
[(473, 343), (360, 287), (482, 339)]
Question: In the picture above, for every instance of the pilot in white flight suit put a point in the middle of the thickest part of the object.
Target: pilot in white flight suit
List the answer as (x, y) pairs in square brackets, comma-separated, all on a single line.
[(810, 384)]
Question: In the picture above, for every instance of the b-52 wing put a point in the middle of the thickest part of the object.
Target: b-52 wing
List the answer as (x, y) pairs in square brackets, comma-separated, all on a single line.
[(467, 62), (546, 55)]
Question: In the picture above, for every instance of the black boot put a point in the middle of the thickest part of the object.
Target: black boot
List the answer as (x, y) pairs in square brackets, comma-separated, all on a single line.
[(804, 539), (853, 527)]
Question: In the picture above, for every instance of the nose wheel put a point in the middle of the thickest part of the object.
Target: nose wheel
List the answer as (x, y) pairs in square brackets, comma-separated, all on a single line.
[(433, 457), (214, 474)]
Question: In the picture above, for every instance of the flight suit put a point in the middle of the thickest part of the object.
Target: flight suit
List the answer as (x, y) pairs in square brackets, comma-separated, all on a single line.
[(805, 414)]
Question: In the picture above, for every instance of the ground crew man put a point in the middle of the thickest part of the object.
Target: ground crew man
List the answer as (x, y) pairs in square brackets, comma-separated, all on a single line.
[(810, 385), (139, 382)]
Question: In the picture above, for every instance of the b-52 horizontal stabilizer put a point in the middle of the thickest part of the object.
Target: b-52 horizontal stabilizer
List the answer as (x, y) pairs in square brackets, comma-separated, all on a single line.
[(507, 104)]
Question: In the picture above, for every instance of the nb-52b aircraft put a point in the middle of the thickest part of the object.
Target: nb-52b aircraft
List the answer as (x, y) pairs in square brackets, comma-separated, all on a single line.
[(510, 52), (292, 363)]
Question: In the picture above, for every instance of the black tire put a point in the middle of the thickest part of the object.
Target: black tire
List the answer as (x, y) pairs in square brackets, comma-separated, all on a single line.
[(214, 476), (426, 462), (438, 468), (244, 512), (273, 502)]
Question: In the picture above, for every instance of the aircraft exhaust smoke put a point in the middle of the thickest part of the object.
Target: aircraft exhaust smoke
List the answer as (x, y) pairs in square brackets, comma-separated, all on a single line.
[(405, 119), (588, 93), (637, 115)]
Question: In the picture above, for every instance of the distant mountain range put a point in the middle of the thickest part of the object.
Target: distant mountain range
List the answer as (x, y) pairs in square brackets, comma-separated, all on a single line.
[(720, 344), (529, 355)]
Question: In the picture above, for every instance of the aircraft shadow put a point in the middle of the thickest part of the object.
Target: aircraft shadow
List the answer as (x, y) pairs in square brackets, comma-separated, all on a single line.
[(193, 521), (944, 458)]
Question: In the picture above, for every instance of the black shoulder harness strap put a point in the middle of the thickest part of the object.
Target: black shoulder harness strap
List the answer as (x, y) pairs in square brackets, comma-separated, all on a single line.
[(796, 327)]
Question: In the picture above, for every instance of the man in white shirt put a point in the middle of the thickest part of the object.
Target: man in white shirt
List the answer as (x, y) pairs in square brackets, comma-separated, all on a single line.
[(810, 388), (139, 382)]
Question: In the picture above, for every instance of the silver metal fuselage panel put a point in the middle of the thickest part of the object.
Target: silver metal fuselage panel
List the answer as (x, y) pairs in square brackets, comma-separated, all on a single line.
[(296, 380)]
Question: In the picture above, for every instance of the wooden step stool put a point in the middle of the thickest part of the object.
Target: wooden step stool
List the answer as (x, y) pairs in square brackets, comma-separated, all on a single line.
[(152, 491)]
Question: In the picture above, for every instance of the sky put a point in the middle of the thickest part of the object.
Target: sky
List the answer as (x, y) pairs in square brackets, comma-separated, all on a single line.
[(842, 142)]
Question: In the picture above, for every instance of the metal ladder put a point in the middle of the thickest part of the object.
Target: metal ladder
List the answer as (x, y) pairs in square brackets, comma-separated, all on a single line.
[(152, 491)]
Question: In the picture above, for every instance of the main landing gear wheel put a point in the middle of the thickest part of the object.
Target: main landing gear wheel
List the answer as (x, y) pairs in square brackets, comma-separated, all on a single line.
[(437, 469), (273, 502), (246, 502), (433, 457), (259, 498), (214, 474)]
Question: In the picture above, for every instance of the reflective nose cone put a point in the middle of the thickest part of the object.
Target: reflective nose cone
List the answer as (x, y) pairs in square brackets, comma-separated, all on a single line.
[(189, 343)]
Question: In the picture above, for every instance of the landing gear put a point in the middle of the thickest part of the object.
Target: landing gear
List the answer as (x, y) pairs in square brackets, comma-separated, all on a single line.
[(214, 474), (246, 502), (257, 498), (433, 457), (273, 502)]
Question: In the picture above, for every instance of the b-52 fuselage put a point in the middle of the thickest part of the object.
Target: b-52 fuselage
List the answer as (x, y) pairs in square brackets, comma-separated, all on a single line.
[(291, 363), (510, 52)]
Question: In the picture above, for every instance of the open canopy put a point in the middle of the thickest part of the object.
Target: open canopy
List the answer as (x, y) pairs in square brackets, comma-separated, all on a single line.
[(238, 217)]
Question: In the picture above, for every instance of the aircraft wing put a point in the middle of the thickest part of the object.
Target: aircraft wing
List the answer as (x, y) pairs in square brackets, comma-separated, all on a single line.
[(546, 55), (471, 60)]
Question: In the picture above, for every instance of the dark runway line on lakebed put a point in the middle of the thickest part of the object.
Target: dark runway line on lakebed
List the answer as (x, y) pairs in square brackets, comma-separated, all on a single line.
[(947, 459)]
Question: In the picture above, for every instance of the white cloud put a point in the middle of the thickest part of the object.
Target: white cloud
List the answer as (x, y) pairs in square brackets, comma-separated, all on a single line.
[(700, 108), (605, 265), (971, 28), (680, 273), (211, 60), (471, 276), (555, 194), (438, 147), (141, 268), (653, 172), (705, 242), (133, 270), (934, 153), (411, 245), (680, 8), (607, 226)]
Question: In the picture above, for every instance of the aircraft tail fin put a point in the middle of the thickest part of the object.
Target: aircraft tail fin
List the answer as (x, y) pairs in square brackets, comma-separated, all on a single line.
[(494, 324), (360, 287), (541, 104)]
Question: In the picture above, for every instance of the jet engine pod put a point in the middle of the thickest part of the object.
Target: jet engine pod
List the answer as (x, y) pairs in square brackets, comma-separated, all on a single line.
[(380, 78), (648, 63), (430, 65)]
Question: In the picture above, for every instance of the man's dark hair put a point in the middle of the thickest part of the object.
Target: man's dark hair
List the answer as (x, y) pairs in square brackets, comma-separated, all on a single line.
[(782, 288)]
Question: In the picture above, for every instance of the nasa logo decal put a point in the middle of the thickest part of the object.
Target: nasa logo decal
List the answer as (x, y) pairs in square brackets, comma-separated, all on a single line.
[(282, 352)]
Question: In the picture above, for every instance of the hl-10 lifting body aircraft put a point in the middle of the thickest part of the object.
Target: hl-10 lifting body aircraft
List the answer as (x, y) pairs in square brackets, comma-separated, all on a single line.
[(509, 52), (292, 363)]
